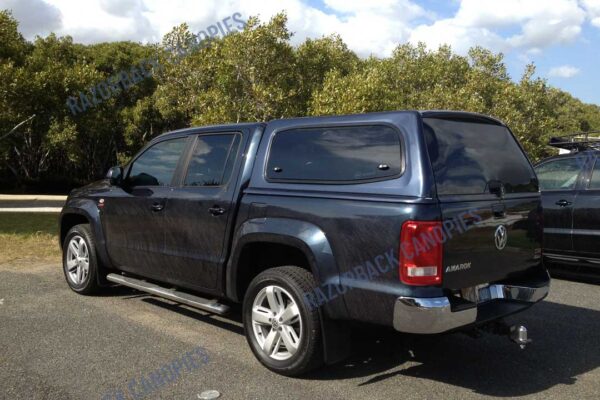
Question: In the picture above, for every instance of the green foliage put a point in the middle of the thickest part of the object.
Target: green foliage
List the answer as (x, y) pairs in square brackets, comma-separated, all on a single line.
[(252, 75), (245, 76), (316, 58), (12, 44)]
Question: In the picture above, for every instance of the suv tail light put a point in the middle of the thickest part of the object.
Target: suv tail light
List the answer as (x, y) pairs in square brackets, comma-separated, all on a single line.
[(420, 253)]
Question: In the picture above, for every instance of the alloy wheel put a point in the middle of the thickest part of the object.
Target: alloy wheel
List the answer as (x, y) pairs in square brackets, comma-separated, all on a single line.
[(77, 260), (276, 323)]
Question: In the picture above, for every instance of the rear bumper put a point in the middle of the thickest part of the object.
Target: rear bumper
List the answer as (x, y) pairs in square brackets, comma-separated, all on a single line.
[(441, 314)]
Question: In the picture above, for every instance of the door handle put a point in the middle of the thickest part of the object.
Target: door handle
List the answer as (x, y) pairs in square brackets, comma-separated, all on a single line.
[(157, 206), (499, 210), (563, 203), (216, 210)]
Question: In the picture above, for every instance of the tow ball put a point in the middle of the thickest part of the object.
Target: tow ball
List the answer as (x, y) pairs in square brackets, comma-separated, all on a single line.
[(516, 333)]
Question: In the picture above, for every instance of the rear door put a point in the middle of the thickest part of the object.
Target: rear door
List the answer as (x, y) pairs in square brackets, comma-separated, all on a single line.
[(488, 197), (558, 182), (199, 210), (586, 215)]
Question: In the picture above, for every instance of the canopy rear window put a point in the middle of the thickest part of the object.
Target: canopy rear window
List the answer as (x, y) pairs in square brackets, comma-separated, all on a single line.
[(467, 155)]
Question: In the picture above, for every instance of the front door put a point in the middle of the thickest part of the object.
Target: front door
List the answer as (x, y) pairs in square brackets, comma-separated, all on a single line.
[(199, 209), (133, 219)]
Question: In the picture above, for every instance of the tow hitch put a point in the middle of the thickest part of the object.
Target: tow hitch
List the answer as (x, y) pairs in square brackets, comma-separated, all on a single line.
[(516, 333)]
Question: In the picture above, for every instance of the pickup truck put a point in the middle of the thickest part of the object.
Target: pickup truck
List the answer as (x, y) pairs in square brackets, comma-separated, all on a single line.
[(427, 222)]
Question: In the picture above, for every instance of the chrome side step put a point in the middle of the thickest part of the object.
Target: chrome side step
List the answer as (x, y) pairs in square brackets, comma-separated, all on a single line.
[(180, 297)]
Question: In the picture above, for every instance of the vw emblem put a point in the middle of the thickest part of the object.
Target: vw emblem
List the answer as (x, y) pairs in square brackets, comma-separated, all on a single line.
[(501, 237)]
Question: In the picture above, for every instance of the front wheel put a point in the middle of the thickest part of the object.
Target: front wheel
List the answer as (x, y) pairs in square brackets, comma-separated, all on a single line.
[(282, 331), (80, 264)]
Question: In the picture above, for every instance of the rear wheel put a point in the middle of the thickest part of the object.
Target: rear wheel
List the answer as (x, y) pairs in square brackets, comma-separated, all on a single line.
[(80, 264), (282, 331)]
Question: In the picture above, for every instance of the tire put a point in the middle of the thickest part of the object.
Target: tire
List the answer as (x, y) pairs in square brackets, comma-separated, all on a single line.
[(80, 264), (296, 335)]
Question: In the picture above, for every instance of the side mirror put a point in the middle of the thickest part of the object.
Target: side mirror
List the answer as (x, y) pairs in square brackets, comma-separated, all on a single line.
[(115, 176)]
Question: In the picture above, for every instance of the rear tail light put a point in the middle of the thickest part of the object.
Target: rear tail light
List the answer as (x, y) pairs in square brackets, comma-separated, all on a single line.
[(420, 253)]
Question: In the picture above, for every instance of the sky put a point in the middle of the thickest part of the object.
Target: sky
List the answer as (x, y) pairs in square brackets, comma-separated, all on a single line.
[(561, 37)]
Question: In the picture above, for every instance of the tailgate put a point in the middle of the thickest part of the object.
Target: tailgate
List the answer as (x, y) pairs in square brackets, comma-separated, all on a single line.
[(488, 197), (495, 240)]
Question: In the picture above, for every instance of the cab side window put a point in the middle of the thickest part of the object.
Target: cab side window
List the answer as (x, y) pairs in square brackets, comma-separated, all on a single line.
[(559, 174), (156, 166), (335, 154), (212, 160)]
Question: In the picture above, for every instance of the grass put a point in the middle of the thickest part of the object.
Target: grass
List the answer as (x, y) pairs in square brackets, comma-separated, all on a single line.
[(29, 236)]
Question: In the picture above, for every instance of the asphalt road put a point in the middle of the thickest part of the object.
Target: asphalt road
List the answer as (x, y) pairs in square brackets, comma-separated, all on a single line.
[(55, 344)]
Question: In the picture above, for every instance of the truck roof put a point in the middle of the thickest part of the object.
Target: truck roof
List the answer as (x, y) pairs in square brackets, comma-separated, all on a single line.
[(424, 113), (211, 128)]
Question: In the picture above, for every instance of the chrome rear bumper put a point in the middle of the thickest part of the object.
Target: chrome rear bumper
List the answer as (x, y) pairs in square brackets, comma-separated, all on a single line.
[(435, 315)]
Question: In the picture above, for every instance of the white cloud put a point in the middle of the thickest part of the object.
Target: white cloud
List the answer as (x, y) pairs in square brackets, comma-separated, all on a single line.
[(460, 37), (593, 9), (368, 27), (564, 71), (34, 16), (529, 25), (404, 7), (373, 27)]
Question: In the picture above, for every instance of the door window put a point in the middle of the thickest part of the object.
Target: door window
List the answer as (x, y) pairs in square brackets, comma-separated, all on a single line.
[(212, 160), (156, 166), (595, 181), (559, 174)]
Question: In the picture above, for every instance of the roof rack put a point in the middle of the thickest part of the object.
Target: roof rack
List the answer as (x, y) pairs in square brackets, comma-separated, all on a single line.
[(575, 142)]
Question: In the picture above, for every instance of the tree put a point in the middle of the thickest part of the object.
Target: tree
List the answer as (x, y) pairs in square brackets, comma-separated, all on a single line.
[(245, 76), (252, 75), (316, 58)]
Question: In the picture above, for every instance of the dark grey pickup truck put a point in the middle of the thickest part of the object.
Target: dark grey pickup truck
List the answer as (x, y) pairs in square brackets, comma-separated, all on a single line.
[(427, 222)]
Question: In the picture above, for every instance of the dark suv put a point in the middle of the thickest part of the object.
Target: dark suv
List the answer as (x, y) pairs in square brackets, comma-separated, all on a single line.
[(423, 221), (570, 185)]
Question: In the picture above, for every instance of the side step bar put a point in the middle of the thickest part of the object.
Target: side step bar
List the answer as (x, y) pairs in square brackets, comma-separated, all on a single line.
[(180, 297)]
